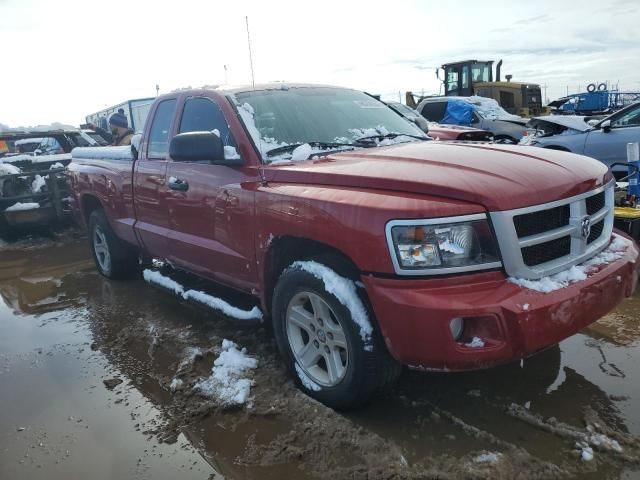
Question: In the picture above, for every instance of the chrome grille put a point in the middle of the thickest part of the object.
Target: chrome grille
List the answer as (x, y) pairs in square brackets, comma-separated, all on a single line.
[(545, 239)]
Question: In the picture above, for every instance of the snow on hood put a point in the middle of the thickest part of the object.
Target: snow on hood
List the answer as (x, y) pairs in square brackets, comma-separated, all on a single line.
[(576, 122)]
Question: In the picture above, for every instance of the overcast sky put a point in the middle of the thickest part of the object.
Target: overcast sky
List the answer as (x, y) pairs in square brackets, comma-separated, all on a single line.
[(65, 59)]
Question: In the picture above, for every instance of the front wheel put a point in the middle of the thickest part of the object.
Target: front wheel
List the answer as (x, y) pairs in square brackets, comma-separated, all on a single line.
[(114, 259), (333, 358)]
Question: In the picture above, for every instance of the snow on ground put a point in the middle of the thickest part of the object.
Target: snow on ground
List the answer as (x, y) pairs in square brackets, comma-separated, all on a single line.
[(8, 169), (103, 153), (476, 342), (201, 297), (38, 183), (191, 355), (56, 165), (487, 457), (228, 382), (176, 384), (602, 441), (22, 206), (305, 380), (345, 291), (586, 454), (577, 273)]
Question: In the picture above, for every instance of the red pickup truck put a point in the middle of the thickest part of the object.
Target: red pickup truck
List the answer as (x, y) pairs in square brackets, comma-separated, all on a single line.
[(367, 245)]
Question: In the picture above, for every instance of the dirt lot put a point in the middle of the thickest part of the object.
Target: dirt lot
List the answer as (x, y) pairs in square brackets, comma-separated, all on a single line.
[(64, 331)]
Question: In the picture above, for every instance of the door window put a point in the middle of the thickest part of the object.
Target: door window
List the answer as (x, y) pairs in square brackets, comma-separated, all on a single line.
[(202, 115), (159, 134), (628, 119)]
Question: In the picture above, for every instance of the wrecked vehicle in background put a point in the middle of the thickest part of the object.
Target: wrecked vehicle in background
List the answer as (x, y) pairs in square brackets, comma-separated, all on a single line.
[(33, 189), (366, 245), (438, 131), (477, 112), (605, 140)]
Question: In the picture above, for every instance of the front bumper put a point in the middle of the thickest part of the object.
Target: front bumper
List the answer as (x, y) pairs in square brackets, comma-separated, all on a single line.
[(414, 315)]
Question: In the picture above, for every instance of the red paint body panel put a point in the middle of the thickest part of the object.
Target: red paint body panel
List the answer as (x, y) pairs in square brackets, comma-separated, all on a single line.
[(414, 315), (222, 228)]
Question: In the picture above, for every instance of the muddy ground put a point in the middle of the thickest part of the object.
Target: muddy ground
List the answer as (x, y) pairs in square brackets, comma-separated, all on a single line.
[(86, 364)]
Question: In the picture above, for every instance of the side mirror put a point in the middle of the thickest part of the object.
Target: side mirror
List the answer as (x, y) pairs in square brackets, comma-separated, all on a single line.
[(199, 147), (606, 126)]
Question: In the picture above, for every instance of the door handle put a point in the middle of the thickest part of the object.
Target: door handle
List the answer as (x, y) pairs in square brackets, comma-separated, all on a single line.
[(177, 184)]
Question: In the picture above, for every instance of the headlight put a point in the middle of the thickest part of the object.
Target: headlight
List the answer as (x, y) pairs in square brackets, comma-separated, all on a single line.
[(443, 245)]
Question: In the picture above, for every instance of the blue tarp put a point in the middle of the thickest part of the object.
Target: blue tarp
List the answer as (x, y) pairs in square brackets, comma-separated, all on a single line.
[(458, 112)]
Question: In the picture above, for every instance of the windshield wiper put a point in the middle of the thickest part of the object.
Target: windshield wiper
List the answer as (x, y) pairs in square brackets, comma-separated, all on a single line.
[(323, 145), (370, 138)]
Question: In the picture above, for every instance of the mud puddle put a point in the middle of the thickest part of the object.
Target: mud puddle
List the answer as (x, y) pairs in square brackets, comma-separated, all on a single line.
[(64, 331)]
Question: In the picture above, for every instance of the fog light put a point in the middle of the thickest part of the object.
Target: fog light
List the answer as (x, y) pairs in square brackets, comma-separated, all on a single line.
[(456, 325)]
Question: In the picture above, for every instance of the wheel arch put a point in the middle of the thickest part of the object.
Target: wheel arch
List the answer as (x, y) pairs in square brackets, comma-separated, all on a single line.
[(88, 204), (284, 250)]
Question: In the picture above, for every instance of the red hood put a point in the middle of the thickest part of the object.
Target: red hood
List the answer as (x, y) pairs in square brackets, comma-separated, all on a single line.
[(497, 177)]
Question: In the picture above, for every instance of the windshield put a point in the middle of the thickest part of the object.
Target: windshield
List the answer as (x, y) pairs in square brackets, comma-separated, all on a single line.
[(337, 118)]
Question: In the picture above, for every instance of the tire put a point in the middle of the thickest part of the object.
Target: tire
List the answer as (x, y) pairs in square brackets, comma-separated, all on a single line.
[(315, 332), (113, 258), (591, 87)]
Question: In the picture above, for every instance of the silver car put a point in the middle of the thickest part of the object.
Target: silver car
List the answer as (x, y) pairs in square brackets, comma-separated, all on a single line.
[(605, 140), (484, 113)]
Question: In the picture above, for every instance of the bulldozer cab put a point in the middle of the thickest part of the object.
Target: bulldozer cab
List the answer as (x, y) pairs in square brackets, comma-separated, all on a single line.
[(459, 77)]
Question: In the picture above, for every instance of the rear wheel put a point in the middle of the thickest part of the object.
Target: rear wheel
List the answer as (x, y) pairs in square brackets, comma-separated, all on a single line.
[(324, 348), (114, 258)]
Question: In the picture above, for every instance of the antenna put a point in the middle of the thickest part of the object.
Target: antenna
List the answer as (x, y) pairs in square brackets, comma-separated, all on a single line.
[(253, 83)]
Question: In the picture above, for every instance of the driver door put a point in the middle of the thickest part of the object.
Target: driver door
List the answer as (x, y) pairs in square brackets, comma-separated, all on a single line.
[(211, 207), (611, 146)]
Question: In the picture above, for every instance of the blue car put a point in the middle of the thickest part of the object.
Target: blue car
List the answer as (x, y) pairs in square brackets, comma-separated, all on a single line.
[(606, 140)]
